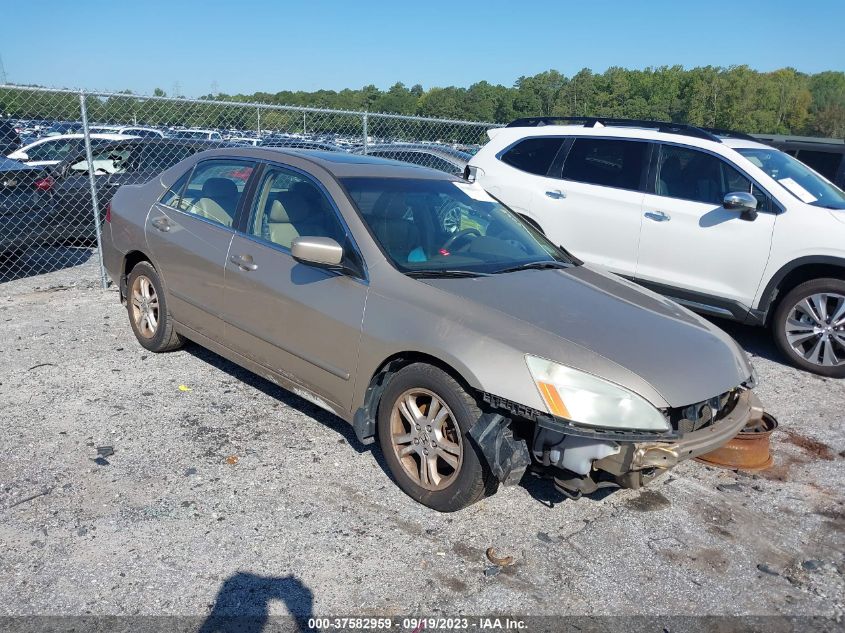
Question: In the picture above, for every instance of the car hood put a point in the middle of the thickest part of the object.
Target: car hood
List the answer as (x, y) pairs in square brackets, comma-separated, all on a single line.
[(632, 334)]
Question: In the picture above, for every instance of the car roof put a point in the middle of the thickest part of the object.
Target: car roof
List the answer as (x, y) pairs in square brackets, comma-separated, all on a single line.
[(339, 164), (513, 134), (102, 136), (443, 150)]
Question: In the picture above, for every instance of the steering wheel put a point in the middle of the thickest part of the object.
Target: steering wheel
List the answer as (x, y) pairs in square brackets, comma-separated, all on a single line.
[(459, 236)]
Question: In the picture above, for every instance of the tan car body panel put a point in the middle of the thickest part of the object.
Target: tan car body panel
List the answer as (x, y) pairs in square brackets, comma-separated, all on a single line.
[(342, 336)]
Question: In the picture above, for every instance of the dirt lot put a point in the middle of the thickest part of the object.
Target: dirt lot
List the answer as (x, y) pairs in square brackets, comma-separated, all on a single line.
[(226, 494)]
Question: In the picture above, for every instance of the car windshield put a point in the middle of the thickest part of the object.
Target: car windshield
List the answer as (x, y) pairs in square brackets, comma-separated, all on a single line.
[(442, 227), (801, 181)]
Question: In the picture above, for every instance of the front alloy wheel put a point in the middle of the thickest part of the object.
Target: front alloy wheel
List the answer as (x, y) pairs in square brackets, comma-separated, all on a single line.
[(424, 419), (426, 439), (810, 326)]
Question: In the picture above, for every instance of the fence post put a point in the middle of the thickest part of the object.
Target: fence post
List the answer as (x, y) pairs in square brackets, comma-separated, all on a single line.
[(366, 132), (258, 112), (92, 179)]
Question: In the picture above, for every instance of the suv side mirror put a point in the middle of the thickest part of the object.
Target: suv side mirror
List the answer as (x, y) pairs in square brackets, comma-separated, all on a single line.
[(318, 251), (743, 202)]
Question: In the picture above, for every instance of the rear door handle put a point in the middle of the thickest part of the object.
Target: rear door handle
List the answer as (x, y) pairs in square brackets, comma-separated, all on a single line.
[(161, 224), (658, 216), (556, 194), (244, 262)]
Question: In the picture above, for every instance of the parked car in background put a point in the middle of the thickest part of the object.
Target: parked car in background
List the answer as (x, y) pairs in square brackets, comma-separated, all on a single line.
[(51, 150), (440, 157), (116, 162), (25, 216), (715, 220), (825, 155), (244, 140), (294, 142), (63, 127), (196, 135), (328, 274), (127, 130), (9, 139)]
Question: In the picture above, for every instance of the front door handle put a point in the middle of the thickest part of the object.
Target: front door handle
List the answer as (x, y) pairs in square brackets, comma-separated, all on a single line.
[(556, 194), (161, 224), (658, 216), (244, 262)]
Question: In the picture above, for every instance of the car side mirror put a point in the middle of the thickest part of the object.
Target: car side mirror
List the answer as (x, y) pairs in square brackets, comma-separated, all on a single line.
[(743, 202), (317, 251)]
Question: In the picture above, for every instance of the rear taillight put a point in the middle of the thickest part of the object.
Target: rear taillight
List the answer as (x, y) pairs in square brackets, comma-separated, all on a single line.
[(45, 184), (108, 213)]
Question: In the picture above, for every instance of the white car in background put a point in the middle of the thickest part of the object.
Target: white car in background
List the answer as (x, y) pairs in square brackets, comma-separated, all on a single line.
[(196, 135), (51, 150), (713, 219), (127, 130)]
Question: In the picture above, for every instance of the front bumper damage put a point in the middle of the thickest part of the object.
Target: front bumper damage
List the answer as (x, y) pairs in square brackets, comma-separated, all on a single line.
[(583, 460), (640, 456)]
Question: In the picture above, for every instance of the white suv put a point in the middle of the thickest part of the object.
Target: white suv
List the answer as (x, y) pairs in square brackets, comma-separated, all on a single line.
[(712, 219)]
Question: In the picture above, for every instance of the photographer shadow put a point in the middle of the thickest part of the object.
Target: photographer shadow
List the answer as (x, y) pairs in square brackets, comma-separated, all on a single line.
[(243, 605)]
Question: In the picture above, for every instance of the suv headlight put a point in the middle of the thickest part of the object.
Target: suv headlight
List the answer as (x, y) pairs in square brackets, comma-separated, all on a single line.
[(592, 401)]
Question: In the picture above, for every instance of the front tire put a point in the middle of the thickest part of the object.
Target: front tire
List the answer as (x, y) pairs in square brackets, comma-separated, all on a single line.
[(424, 419), (809, 327), (147, 308)]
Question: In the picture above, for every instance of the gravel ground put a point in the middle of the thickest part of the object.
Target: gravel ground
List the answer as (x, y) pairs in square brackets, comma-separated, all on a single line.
[(228, 495)]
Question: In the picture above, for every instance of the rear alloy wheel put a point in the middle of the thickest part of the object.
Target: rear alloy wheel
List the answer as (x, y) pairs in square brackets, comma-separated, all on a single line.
[(809, 326), (423, 420), (147, 308)]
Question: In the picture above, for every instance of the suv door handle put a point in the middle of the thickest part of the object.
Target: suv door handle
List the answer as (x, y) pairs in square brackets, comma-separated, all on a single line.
[(555, 194), (244, 262), (658, 216), (161, 224)]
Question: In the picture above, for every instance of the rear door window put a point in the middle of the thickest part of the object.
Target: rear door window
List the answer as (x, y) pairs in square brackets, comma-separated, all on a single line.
[(215, 189), (607, 162), (534, 155)]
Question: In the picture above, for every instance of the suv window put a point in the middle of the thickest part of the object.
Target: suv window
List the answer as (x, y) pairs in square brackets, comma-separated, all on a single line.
[(689, 174), (53, 150), (606, 162), (290, 205), (215, 189), (108, 159), (826, 163), (534, 155)]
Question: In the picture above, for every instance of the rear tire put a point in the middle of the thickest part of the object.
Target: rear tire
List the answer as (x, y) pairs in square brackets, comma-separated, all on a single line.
[(146, 306), (424, 418), (809, 327)]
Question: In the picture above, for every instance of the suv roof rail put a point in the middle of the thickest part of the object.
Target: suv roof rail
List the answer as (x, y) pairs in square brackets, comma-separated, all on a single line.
[(591, 121), (730, 134)]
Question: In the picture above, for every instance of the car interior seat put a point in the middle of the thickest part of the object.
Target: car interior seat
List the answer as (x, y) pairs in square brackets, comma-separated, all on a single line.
[(218, 201), (397, 233)]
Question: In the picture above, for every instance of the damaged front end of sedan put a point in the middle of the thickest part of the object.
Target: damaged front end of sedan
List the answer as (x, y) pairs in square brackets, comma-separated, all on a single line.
[(582, 458)]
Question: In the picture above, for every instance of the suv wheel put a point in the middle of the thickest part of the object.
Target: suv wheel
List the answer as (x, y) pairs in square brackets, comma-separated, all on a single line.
[(809, 326), (423, 422), (147, 308)]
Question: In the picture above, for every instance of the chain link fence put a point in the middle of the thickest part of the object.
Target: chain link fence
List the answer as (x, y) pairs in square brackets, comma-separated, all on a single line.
[(69, 151)]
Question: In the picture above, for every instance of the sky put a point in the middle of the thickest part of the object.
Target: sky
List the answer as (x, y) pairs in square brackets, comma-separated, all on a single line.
[(243, 46)]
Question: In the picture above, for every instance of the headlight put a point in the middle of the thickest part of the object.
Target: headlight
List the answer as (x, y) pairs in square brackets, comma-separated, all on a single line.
[(592, 401)]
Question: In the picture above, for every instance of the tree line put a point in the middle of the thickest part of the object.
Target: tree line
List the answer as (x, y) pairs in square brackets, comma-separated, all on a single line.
[(784, 101)]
